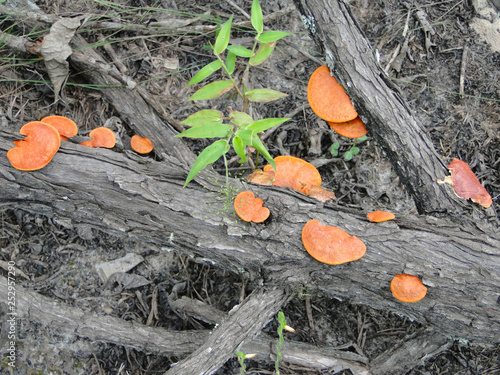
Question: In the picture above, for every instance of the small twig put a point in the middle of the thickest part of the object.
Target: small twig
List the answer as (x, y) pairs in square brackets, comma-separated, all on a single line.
[(462, 71), (236, 6)]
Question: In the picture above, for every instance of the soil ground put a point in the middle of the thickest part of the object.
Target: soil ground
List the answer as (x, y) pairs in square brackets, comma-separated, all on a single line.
[(59, 260)]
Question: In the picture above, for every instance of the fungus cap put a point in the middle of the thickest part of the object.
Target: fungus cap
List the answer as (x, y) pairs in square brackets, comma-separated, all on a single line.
[(294, 173), (101, 137), (331, 245), (328, 98), (380, 216), (65, 126), (349, 129), (262, 178), (249, 208), (321, 194), (141, 145), (408, 288), (37, 149), (466, 185)]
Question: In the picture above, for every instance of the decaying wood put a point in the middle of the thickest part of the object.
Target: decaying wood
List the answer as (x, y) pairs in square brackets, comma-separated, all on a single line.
[(130, 196), (68, 320), (385, 114), (145, 200)]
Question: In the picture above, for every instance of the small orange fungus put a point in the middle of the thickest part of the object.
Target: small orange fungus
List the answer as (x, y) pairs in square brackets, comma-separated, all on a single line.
[(328, 98), (101, 137), (294, 173), (262, 178), (141, 145), (37, 149), (466, 185), (350, 129), (249, 208), (331, 245), (380, 216), (321, 193), (65, 126), (408, 288)]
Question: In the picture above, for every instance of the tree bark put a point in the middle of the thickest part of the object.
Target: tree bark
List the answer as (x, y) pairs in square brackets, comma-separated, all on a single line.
[(386, 115), (145, 200)]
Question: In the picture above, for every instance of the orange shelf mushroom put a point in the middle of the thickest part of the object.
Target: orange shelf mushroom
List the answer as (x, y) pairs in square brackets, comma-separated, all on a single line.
[(294, 173), (350, 129), (466, 185), (408, 288), (262, 178), (37, 149), (331, 245), (65, 126), (101, 137), (328, 98), (380, 216), (321, 194), (141, 145), (249, 208)]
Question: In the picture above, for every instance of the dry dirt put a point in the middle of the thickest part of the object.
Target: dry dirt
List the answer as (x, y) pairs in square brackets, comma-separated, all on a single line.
[(59, 260)]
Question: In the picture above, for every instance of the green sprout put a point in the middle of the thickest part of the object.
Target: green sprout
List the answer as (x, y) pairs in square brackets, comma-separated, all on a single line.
[(348, 155), (239, 130)]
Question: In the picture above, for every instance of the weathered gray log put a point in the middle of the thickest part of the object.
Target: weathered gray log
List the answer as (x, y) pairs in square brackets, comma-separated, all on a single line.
[(71, 320), (244, 323), (388, 119), (145, 200)]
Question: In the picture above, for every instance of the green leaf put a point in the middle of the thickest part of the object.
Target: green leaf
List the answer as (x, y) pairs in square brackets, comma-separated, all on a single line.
[(258, 145), (223, 38), (230, 62), (272, 36), (256, 17), (334, 152), (354, 150), (267, 123), (204, 117), (239, 148), (240, 119), (207, 156), (264, 95), (362, 139), (206, 71), (212, 90), (207, 131), (335, 146), (347, 156), (262, 53), (246, 136), (240, 51)]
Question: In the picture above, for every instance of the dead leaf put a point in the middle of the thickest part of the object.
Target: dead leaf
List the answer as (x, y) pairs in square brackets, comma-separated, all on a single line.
[(56, 50)]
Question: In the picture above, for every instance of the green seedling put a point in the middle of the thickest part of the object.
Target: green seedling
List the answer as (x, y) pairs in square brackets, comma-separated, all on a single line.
[(238, 130), (281, 326), (353, 150), (241, 360)]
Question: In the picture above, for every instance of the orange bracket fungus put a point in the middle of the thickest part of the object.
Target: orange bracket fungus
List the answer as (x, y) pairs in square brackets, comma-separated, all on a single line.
[(141, 145), (65, 126), (331, 245), (249, 208), (380, 216), (328, 98), (465, 183), (294, 173), (101, 137), (350, 129), (37, 149), (408, 288)]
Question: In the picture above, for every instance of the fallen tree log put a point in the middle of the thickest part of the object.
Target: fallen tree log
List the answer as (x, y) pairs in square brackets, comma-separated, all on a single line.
[(145, 200)]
